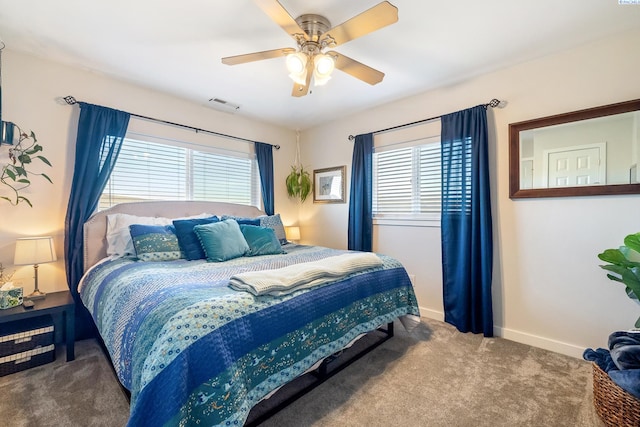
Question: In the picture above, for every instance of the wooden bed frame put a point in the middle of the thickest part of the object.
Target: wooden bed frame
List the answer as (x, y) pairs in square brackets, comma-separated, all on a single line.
[(95, 249)]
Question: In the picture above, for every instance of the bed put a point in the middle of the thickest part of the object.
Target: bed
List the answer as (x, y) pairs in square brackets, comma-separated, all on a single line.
[(192, 350)]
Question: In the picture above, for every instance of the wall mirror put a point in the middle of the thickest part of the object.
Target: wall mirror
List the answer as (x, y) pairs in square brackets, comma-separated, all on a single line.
[(583, 153)]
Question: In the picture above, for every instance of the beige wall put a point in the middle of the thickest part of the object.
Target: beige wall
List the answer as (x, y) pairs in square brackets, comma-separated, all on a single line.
[(548, 289), (30, 90)]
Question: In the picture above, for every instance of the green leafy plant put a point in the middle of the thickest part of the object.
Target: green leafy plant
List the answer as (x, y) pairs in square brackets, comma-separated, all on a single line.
[(624, 266), (298, 183), (16, 174)]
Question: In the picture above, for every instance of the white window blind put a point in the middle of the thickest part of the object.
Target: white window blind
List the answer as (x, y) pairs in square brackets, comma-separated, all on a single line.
[(407, 182), (148, 170)]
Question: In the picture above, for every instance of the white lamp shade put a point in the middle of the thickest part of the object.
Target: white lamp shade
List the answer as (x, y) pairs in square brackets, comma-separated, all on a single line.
[(323, 67), (34, 250), (297, 66), (296, 62), (293, 233)]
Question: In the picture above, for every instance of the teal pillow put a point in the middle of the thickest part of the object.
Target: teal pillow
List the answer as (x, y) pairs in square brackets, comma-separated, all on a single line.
[(261, 240), (155, 242), (222, 240)]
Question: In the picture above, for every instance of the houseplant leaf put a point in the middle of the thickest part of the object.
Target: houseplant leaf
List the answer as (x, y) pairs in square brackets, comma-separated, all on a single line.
[(624, 265), (632, 242), (15, 174)]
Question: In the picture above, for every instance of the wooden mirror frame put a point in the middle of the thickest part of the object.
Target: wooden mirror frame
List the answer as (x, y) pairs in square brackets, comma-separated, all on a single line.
[(594, 190)]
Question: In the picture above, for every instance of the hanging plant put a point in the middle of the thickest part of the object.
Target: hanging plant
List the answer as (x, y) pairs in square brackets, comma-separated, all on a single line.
[(298, 182), (16, 173)]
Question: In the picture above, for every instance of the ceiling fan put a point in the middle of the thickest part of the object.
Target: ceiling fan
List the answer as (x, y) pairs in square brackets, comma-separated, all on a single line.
[(313, 35)]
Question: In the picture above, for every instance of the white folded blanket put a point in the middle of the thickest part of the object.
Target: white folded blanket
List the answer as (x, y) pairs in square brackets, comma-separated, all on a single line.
[(288, 279)]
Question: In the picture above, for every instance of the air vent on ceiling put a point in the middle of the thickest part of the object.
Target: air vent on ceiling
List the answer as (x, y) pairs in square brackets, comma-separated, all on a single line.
[(222, 105)]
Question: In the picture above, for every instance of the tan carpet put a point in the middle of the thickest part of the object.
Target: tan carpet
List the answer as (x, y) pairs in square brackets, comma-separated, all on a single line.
[(435, 376)]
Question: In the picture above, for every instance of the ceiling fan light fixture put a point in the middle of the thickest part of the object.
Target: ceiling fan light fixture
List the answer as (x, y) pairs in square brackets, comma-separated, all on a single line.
[(323, 66), (297, 66)]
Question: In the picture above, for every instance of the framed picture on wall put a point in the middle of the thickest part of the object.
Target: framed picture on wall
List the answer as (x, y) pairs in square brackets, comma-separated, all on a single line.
[(329, 185)]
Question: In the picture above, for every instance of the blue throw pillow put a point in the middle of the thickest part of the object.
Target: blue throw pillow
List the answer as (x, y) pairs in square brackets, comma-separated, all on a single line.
[(261, 240), (155, 242), (274, 222), (187, 238), (222, 240), (240, 220)]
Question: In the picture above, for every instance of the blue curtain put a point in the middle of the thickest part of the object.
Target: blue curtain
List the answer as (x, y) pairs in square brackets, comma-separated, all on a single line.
[(101, 131), (467, 247), (360, 199), (7, 132), (264, 154)]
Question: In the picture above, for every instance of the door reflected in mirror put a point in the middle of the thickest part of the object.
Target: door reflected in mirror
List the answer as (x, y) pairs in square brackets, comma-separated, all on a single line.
[(587, 152)]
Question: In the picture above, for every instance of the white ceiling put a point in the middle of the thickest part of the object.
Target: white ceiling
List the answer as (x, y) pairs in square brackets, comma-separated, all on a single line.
[(176, 46)]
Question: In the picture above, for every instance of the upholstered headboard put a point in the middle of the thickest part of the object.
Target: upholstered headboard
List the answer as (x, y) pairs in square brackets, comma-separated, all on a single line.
[(95, 229)]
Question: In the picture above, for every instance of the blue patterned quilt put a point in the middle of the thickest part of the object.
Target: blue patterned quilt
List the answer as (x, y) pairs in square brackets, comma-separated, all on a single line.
[(192, 351)]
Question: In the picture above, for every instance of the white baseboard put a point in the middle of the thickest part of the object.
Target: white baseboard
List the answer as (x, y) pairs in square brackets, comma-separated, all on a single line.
[(540, 342), (432, 314), (521, 337)]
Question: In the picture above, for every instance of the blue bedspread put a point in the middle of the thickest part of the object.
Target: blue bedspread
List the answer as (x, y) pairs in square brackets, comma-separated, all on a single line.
[(192, 351)]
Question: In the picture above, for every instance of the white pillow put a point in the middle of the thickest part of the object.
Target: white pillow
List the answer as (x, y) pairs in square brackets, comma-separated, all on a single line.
[(119, 241)]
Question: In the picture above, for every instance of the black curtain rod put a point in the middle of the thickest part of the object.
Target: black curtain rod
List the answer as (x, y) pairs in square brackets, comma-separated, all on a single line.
[(71, 101), (493, 103)]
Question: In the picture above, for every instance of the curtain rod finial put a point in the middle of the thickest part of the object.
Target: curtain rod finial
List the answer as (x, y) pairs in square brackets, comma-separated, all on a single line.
[(70, 100), (351, 137)]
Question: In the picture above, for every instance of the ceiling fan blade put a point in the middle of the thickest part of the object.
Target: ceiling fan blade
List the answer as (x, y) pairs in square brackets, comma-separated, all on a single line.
[(377, 17), (357, 69), (257, 56), (280, 16), (301, 90)]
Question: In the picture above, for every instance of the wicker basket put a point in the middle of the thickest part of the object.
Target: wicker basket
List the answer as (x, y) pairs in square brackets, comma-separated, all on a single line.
[(615, 406)]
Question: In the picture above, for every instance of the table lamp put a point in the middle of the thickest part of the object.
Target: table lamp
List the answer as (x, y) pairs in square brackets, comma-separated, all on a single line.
[(293, 233), (34, 250)]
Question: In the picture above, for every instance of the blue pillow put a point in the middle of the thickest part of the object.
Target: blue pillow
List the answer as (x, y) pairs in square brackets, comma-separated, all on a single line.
[(222, 240), (274, 222), (240, 220), (187, 238), (155, 242), (261, 240)]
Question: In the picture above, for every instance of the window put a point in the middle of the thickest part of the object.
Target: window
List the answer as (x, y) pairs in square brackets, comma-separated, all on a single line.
[(148, 170), (407, 181)]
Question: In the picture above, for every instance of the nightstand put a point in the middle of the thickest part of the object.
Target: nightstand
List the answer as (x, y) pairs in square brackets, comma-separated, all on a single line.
[(59, 305)]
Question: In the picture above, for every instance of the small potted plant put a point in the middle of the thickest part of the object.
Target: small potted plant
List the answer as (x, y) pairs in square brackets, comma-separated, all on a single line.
[(615, 385)]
